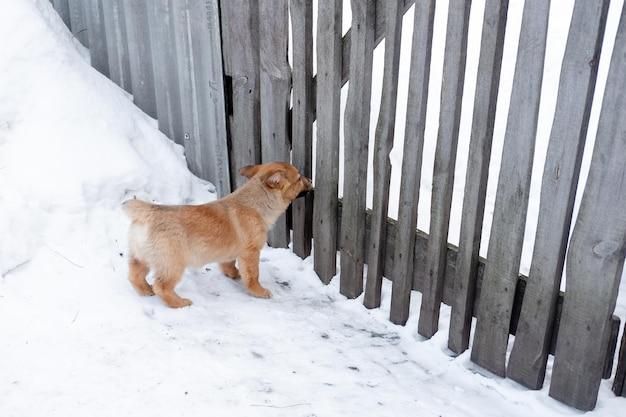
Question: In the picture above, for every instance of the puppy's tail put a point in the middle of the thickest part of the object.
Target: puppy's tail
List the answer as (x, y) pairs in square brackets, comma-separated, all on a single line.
[(137, 210)]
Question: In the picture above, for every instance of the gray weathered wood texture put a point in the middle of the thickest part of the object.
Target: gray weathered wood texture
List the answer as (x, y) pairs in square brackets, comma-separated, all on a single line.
[(412, 161), (509, 218), (328, 104), (117, 44), (527, 362), (96, 32), (619, 383), (275, 88), (62, 7), (208, 156), (445, 159), (382, 147), (356, 141), (78, 20), (596, 252), (240, 39), (198, 50), (167, 88), (302, 120), (484, 114), (135, 14), (185, 71)]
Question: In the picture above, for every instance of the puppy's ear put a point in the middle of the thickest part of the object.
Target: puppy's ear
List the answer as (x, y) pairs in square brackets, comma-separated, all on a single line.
[(249, 171), (275, 179)]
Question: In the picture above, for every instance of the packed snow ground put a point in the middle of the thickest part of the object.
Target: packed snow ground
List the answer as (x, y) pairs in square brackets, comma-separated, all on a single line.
[(76, 340)]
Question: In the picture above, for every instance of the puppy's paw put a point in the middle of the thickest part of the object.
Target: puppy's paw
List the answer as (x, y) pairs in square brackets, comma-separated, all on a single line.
[(179, 303), (230, 270), (260, 292), (232, 274), (145, 291)]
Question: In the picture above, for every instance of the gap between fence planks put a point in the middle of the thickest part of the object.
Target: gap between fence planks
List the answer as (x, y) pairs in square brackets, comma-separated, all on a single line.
[(135, 14), (356, 134), (509, 217), (302, 120), (275, 89), (596, 252), (240, 46), (328, 104), (527, 362), (167, 88), (98, 54), (382, 147), (445, 159), (346, 41), (412, 160), (484, 114)]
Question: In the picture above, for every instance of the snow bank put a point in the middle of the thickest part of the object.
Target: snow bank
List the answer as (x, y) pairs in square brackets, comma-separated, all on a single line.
[(70, 141)]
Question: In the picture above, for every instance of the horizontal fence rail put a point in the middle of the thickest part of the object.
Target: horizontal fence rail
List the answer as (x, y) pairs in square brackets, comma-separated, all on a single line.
[(216, 76)]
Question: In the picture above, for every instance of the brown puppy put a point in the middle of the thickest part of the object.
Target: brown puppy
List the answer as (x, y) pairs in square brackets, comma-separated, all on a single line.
[(167, 239)]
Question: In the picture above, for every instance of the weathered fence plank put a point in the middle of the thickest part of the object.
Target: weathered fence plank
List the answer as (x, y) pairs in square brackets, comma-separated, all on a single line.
[(275, 87), (509, 218), (485, 100), (117, 44), (619, 384), (96, 32), (185, 71), (63, 9), (302, 120), (164, 63), (445, 159), (208, 155), (135, 14), (382, 147), (327, 146), (240, 37), (412, 160), (356, 134), (527, 363), (596, 252), (78, 21), (201, 89)]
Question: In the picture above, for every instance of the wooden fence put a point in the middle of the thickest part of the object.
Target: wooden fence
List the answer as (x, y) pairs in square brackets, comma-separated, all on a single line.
[(217, 77)]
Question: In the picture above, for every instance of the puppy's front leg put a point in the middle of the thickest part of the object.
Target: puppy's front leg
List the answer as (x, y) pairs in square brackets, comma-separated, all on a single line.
[(249, 264)]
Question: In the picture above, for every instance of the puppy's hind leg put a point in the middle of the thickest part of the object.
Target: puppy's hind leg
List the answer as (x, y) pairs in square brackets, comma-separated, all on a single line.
[(164, 285), (137, 272)]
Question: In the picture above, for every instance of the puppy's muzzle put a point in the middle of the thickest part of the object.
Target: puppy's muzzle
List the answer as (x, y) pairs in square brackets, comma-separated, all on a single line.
[(308, 187)]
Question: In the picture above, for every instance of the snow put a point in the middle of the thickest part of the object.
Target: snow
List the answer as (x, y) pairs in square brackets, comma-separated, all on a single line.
[(76, 338)]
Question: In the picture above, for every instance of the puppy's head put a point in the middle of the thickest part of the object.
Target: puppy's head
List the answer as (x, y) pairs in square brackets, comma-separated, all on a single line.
[(279, 177)]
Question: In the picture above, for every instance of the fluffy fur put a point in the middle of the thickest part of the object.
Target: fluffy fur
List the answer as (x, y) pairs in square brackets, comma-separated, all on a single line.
[(168, 239)]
